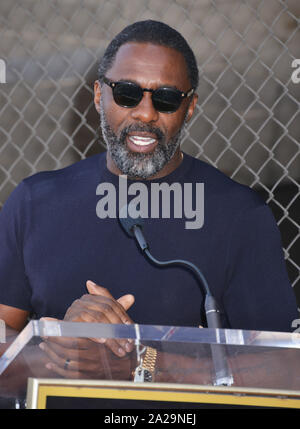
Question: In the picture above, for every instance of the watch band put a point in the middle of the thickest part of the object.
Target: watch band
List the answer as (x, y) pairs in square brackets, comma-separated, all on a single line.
[(149, 362), (145, 371)]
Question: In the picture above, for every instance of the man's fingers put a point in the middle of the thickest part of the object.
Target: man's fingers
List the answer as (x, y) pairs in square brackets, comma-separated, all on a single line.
[(64, 373), (94, 289), (126, 301), (88, 354), (75, 363), (70, 342)]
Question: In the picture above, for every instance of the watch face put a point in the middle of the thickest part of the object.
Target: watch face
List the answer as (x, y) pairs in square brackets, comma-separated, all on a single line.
[(147, 375), (142, 375)]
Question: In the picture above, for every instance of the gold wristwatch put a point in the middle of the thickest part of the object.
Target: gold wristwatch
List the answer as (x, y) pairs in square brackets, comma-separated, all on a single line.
[(145, 371)]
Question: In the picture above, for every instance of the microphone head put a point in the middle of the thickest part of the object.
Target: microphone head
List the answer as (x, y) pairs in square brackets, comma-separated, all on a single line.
[(127, 222)]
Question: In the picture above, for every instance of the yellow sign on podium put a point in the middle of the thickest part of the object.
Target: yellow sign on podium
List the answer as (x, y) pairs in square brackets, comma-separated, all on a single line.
[(64, 393)]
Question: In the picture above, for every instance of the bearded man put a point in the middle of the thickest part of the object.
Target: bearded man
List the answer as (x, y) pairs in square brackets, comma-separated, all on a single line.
[(59, 259)]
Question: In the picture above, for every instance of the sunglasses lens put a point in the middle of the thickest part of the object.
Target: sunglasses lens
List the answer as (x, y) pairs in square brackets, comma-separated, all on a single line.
[(166, 100), (127, 94)]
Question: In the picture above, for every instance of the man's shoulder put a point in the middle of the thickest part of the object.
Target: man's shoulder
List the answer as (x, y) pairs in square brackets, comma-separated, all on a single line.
[(75, 174), (77, 169), (59, 185)]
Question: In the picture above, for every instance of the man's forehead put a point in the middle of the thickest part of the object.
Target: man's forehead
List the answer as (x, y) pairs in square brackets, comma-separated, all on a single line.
[(149, 62)]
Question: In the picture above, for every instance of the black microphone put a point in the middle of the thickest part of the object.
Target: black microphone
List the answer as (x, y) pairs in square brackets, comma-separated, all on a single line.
[(133, 228)]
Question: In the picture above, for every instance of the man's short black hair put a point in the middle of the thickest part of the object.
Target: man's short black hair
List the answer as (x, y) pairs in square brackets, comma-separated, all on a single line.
[(154, 32)]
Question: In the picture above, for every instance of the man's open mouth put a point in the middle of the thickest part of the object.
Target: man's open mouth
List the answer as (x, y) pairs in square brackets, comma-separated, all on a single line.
[(141, 142)]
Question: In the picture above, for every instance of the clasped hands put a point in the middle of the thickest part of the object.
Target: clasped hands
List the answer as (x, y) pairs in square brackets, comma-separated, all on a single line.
[(93, 357)]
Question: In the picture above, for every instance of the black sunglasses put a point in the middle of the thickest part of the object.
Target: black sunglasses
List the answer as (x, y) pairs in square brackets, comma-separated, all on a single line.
[(164, 99)]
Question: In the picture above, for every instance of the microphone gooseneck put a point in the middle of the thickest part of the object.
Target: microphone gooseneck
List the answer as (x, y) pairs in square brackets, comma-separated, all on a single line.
[(133, 228), (183, 263)]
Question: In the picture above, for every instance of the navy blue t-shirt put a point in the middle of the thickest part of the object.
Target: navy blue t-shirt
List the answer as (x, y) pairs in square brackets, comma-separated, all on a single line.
[(53, 241)]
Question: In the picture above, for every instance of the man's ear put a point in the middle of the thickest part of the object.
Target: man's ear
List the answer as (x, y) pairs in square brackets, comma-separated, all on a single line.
[(191, 107), (97, 95)]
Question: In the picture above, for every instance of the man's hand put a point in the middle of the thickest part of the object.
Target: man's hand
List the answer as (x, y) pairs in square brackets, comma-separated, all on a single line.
[(84, 358), (76, 357), (99, 306)]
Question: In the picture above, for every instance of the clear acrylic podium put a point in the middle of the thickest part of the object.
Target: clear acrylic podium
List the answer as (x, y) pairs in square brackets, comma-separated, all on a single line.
[(194, 368)]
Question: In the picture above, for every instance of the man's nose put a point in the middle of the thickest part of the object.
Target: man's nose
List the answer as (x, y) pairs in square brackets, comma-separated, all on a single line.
[(145, 111)]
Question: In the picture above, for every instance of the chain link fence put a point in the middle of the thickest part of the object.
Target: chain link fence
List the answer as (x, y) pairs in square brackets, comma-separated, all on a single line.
[(247, 119)]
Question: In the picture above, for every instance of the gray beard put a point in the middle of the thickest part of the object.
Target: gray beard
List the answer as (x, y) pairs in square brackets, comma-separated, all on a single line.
[(139, 165)]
